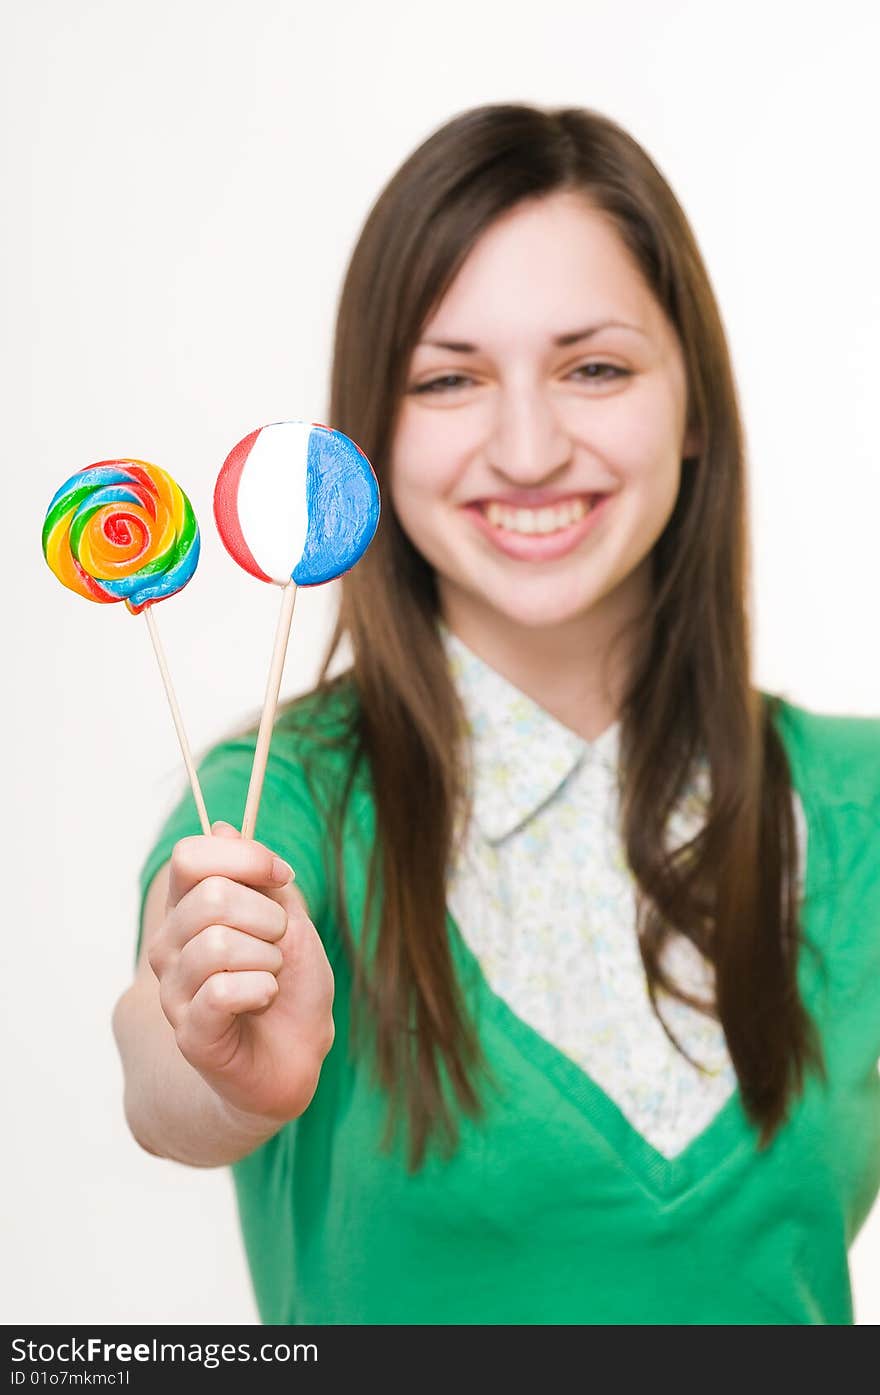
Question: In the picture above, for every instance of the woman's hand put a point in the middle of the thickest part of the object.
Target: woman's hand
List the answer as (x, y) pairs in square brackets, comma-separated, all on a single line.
[(243, 977)]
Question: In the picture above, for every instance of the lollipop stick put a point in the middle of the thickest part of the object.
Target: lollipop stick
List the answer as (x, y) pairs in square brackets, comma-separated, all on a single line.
[(261, 754), (178, 722)]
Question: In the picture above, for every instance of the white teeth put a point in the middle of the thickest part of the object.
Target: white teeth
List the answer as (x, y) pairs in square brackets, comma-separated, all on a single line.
[(528, 521)]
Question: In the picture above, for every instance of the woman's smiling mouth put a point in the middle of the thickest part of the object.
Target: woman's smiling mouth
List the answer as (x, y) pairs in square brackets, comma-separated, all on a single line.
[(537, 534)]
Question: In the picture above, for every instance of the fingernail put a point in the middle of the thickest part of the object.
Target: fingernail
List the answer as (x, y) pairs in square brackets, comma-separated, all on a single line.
[(281, 871)]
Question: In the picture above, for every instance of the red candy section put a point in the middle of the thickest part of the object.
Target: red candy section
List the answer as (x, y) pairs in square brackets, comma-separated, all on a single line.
[(226, 507)]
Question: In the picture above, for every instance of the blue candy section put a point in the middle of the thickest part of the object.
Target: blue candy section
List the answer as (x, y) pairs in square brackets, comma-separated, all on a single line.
[(89, 479), (110, 494), (343, 507)]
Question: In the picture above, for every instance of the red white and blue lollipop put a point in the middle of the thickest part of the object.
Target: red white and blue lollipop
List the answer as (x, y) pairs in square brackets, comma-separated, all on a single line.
[(296, 504)]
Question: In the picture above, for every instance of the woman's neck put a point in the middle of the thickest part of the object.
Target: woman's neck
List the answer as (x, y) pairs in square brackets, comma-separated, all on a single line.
[(573, 670)]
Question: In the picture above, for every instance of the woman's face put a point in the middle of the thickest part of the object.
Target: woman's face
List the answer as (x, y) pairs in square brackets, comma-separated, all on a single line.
[(523, 402)]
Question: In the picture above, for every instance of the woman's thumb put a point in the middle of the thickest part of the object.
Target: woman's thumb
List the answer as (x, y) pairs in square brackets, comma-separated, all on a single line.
[(221, 829)]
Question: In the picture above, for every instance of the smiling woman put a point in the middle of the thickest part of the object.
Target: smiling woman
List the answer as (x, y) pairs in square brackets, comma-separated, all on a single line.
[(601, 914)]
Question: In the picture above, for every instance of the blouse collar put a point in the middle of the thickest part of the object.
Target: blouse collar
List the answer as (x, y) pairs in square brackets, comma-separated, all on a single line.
[(521, 755)]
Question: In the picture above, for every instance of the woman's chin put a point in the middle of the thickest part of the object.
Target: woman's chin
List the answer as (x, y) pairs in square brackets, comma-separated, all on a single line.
[(536, 608)]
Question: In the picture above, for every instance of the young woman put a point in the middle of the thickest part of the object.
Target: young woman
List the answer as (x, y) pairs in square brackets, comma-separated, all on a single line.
[(572, 1011)]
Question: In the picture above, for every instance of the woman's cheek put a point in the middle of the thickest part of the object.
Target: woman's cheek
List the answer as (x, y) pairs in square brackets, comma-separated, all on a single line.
[(653, 494), (417, 490), (425, 468), (414, 499)]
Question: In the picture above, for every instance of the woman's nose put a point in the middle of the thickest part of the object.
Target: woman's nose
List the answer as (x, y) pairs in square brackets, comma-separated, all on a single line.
[(528, 442)]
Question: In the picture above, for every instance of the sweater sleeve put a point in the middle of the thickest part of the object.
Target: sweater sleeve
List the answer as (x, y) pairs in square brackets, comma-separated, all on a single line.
[(288, 821), (836, 760), (856, 942)]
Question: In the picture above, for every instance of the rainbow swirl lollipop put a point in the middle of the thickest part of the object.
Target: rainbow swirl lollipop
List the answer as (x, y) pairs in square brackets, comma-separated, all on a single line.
[(121, 530)]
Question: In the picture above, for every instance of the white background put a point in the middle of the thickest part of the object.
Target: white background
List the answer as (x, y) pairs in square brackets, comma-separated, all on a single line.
[(183, 182)]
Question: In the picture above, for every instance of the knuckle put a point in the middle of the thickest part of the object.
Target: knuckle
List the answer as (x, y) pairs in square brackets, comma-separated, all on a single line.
[(182, 854), (213, 894), (217, 941), (218, 990)]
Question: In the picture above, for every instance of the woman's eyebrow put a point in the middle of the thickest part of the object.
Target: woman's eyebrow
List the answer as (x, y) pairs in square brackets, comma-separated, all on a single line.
[(562, 341)]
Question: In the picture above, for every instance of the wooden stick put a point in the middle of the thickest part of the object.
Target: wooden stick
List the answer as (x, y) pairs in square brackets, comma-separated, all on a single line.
[(178, 722), (267, 721)]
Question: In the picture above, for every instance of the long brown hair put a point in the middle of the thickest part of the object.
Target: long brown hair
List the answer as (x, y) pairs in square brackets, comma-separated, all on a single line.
[(731, 889)]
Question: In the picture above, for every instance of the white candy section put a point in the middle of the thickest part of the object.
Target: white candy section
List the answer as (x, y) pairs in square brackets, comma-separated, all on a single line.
[(272, 498)]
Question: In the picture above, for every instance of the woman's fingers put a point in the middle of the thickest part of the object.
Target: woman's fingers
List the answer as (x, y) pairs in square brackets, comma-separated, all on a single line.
[(217, 949), (220, 901), (240, 859), (230, 886), (204, 1034)]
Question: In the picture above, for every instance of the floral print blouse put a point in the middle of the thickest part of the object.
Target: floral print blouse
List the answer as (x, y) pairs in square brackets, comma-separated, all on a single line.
[(542, 895)]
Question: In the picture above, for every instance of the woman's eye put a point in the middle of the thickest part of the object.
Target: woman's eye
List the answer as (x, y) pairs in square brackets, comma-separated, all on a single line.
[(448, 380), (592, 372), (598, 377)]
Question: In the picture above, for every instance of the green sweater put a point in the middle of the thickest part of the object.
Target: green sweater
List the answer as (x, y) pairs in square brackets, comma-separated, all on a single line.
[(554, 1209)]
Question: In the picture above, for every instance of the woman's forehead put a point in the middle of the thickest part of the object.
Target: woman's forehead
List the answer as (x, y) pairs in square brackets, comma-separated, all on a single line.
[(547, 270)]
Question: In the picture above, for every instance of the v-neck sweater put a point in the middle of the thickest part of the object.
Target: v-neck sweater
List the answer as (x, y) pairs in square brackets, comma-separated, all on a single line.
[(553, 1208), (541, 891)]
